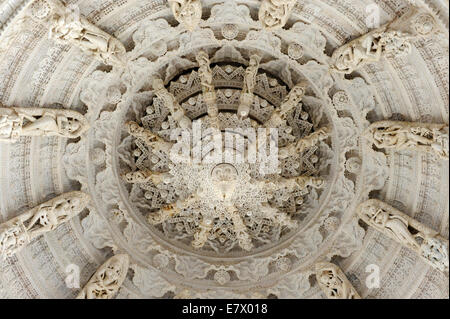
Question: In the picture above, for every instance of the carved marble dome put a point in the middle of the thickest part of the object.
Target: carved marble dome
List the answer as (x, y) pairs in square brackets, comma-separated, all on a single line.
[(96, 96)]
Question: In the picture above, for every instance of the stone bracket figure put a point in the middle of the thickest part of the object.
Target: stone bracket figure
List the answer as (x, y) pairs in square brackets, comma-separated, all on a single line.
[(273, 14), (150, 139), (407, 231), (422, 137), (18, 232), (187, 12), (66, 24), (170, 210), (246, 99), (391, 39), (206, 79), (169, 100), (292, 100), (107, 280), (145, 176), (304, 143), (16, 122), (333, 282)]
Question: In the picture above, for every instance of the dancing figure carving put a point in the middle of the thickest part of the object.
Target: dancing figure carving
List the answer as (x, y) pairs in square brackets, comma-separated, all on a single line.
[(18, 232), (16, 122), (407, 231)]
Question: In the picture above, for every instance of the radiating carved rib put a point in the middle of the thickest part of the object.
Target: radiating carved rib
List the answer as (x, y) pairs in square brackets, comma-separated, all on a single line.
[(247, 96), (187, 12), (145, 176), (422, 137), (334, 283), (289, 103), (16, 122), (176, 111), (209, 93), (107, 280), (150, 139), (201, 235), (307, 142), (171, 210), (273, 14), (407, 231), (67, 25), (244, 239), (390, 39), (18, 232)]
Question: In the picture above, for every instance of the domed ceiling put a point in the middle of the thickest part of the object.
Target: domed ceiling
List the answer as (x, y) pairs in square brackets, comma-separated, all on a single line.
[(224, 149)]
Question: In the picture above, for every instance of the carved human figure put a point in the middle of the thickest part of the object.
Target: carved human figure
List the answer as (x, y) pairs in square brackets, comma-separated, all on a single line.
[(393, 39), (204, 72), (145, 176), (431, 138), (171, 210), (150, 139), (250, 75), (273, 14), (334, 283), (187, 12), (304, 143), (396, 225), (66, 24), (16, 122), (293, 99), (407, 231), (206, 79), (107, 280), (201, 235), (170, 102), (363, 50), (19, 231), (240, 230)]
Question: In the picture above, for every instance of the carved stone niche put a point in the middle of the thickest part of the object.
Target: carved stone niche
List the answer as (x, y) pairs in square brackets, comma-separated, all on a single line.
[(334, 283), (427, 243), (107, 280)]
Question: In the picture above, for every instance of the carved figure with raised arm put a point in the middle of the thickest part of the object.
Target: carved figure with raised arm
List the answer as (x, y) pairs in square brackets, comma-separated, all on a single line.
[(206, 79), (66, 24), (16, 122), (240, 230), (107, 280), (304, 143), (152, 140), (392, 39), (407, 231), (273, 14), (201, 235), (187, 12), (171, 210), (21, 230), (422, 137), (334, 283), (176, 111), (293, 99), (246, 98), (145, 176)]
